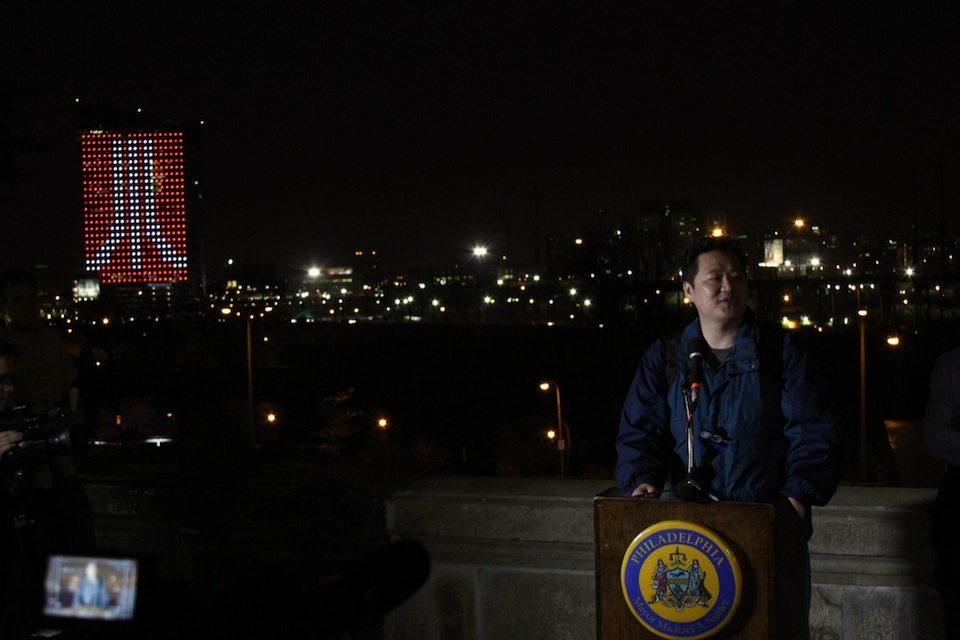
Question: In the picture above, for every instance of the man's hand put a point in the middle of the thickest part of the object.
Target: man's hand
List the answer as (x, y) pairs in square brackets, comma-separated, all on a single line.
[(801, 510), (9, 440), (645, 490)]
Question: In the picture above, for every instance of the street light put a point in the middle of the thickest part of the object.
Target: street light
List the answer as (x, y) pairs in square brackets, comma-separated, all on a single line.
[(893, 341), (863, 395), (563, 431), (251, 430)]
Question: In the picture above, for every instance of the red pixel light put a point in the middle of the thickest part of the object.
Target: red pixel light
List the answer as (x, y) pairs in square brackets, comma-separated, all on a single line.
[(134, 207)]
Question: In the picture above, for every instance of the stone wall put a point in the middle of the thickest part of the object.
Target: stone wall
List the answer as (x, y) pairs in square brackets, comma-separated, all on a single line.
[(515, 559), (511, 558), (207, 535)]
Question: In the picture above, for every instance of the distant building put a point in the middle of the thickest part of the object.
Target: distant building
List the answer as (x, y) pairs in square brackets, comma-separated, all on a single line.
[(658, 234), (141, 201)]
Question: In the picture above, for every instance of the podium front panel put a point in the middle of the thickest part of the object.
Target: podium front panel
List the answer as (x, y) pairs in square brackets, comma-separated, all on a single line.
[(773, 580)]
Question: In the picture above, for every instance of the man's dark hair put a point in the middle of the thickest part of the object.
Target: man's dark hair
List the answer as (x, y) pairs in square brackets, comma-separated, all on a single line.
[(691, 256), (15, 275)]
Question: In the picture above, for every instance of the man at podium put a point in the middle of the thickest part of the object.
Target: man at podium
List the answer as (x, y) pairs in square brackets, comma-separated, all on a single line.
[(729, 408)]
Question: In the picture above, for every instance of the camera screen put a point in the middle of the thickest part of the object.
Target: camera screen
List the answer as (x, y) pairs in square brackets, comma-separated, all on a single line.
[(87, 587)]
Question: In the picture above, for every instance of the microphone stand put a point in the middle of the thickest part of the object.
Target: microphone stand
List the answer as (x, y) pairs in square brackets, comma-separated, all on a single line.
[(695, 486), (690, 440)]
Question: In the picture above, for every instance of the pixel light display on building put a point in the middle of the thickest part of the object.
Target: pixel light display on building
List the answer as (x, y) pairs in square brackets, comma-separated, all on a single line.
[(134, 207)]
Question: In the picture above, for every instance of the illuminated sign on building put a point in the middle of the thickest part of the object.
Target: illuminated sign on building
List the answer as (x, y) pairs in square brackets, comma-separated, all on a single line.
[(87, 289), (134, 207), (773, 254)]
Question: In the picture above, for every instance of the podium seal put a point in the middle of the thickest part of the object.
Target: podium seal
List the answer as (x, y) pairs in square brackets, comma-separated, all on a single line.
[(681, 580)]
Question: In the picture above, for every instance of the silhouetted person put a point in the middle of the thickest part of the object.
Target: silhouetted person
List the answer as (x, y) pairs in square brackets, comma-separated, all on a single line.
[(46, 379), (941, 435), (19, 569)]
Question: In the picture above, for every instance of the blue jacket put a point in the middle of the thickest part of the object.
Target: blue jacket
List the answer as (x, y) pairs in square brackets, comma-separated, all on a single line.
[(91, 593), (789, 448)]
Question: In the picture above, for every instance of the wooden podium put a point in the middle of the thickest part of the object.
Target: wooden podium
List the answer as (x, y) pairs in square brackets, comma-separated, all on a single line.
[(768, 542)]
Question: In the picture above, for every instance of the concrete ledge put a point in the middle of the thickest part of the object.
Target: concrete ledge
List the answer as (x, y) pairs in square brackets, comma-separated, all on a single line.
[(504, 550), (512, 558), (204, 534), (521, 510)]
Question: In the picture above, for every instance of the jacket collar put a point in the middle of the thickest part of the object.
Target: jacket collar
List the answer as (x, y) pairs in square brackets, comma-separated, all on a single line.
[(745, 356)]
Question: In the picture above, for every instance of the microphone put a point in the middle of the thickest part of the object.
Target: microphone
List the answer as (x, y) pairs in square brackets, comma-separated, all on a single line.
[(698, 348), (696, 486)]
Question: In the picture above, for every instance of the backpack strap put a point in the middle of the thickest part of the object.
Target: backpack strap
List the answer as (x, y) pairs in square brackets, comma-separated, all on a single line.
[(671, 356), (770, 351)]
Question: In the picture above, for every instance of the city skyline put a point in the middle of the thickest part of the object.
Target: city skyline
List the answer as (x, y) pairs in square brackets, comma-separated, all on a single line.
[(421, 130)]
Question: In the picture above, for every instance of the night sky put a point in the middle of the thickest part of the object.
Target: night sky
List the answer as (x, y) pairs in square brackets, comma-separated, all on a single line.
[(420, 128)]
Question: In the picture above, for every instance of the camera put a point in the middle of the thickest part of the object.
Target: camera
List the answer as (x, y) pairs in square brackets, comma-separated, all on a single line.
[(43, 439)]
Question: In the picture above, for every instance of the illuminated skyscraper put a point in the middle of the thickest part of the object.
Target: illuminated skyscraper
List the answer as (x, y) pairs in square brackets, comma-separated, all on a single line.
[(134, 206), (141, 202)]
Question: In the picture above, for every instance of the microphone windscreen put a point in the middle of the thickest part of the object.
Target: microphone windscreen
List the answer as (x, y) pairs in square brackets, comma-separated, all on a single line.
[(698, 347)]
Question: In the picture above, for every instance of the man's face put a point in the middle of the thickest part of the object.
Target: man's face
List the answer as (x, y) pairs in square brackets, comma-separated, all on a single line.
[(22, 309), (719, 290), (6, 384)]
